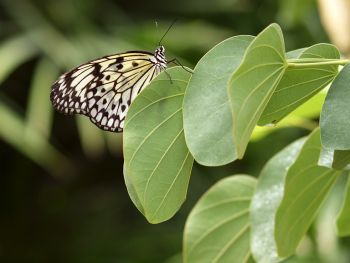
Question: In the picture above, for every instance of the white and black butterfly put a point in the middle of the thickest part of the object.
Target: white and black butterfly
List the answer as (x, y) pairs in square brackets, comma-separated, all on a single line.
[(103, 89)]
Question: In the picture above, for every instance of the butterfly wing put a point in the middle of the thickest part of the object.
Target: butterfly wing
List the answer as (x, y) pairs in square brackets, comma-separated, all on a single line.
[(103, 89)]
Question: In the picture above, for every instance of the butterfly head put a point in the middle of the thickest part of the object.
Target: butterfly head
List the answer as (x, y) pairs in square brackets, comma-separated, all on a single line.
[(159, 54)]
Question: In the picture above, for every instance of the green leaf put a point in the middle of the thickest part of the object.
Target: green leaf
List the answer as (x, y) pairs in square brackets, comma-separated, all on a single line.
[(174, 259), (295, 53), (254, 82), (326, 158), (41, 33), (14, 52), (311, 109), (267, 197), (217, 229), (305, 189), (300, 84), (39, 110), (157, 161), (334, 120), (341, 160), (132, 192), (207, 113), (343, 219), (91, 138), (336, 159), (30, 142)]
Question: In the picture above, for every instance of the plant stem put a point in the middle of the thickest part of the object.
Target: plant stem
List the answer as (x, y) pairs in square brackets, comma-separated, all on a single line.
[(315, 62)]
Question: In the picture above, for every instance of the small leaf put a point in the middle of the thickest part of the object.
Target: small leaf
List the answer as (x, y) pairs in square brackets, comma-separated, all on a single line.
[(267, 197), (207, 113), (326, 158), (336, 159), (254, 82), (157, 161), (306, 187), (343, 219), (217, 229), (334, 120), (300, 84)]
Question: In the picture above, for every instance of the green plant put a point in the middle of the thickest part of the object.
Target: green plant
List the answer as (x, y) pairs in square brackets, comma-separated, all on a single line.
[(210, 116)]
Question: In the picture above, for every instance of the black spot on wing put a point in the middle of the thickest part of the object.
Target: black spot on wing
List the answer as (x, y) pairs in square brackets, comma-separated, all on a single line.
[(119, 59), (97, 70)]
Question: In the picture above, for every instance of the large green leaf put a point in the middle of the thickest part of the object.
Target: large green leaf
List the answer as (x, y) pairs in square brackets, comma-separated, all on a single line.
[(305, 189), (157, 161), (254, 82), (343, 219), (267, 197), (207, 113), (300, 84), (132, 192), (218, 227), (334, 120)]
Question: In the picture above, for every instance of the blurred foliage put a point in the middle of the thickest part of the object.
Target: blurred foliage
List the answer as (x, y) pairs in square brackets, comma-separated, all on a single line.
[(62, 192)]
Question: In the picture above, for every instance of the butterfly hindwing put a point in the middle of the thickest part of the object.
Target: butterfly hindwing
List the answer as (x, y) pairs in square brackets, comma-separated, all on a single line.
[(69, 91), (103, 89)]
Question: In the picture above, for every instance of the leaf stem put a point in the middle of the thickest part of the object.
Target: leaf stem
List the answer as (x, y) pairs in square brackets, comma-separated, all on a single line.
[(315, 62)]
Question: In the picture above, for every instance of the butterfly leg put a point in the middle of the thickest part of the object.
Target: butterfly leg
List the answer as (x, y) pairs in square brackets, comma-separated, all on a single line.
[(177, 62), (166, 72)]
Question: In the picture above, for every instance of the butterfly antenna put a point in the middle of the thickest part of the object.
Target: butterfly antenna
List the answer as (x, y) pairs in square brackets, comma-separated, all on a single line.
[(156, 22), (166, 32)]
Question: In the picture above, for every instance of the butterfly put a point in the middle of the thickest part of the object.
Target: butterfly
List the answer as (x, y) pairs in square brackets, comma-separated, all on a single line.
[(104, 88)]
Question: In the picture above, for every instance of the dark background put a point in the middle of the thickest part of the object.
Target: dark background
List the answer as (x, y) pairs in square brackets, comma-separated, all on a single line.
[(62, 192)]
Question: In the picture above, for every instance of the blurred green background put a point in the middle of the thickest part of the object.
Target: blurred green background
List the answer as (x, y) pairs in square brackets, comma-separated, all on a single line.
[(63, 197)]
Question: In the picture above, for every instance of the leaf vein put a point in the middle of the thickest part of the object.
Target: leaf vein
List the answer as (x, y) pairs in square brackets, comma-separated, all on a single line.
[(151, 132)]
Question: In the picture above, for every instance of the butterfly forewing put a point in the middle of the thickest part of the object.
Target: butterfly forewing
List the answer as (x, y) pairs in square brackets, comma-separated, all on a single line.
[(103, 89)]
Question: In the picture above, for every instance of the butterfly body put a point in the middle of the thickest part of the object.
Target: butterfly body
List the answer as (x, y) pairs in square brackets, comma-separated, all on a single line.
[(104, 88)]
